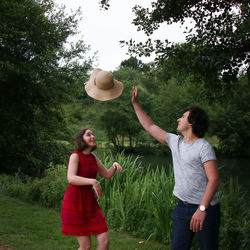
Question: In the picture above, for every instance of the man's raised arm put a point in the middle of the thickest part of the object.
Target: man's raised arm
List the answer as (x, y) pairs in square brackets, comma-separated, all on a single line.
[(146, 122)]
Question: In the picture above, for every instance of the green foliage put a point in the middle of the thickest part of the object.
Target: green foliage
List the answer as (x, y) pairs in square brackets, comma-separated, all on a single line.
[(134, 63), (48, 191), (118, 118), (231, 119), (174, 97), (138, 200), (164, 96), (53, 186), (37, 75), (145, 201), (135, 201), (235, 228), (217, 43)]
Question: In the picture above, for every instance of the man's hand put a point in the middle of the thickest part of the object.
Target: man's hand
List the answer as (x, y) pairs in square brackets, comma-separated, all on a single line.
[(197, 220), (98, 189), (135, 95)]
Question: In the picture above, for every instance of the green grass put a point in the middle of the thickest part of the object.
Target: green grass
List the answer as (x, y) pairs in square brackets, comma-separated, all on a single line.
[(24, 226)]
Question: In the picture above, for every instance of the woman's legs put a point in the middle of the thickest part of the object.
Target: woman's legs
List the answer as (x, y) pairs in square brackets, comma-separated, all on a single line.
[(103, 241), (84, 242)]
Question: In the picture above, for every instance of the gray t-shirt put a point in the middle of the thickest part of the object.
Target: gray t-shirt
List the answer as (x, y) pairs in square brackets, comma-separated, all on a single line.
[(189, 172)]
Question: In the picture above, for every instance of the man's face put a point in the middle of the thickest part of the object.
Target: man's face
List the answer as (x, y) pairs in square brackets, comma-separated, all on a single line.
[(183, 123)]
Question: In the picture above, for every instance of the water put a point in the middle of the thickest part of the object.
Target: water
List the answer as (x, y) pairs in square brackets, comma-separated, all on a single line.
[(236, 167)]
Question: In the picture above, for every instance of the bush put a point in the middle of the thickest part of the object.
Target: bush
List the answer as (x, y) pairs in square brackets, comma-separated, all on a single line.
[(47, 191)]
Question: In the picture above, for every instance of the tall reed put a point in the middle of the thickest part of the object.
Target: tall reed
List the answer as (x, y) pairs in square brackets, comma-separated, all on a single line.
[(139, 200), (235, 224)]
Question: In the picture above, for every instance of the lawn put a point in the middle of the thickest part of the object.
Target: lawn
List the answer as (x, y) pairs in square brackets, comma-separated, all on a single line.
[(24, 226)]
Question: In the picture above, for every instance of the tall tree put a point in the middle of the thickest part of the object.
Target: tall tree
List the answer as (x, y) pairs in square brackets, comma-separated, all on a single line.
[(37, 75), (230, 121), (217, 45), (134, 63), (118, 118)]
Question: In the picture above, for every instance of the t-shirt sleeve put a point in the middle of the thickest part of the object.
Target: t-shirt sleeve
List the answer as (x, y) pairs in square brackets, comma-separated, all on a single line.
[(207, 153), (171, 139)]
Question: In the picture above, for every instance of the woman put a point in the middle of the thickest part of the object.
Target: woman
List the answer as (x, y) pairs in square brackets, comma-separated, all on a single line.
[(81, 214)]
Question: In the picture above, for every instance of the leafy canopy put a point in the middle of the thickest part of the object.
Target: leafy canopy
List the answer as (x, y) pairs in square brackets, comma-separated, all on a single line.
[(37, 75), (217, 44)]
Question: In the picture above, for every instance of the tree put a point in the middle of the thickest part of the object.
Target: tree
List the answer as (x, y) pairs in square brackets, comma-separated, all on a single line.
[(230, 121), (37, 75), (134, 63), (217, 46), (118, 118), (174, 97)]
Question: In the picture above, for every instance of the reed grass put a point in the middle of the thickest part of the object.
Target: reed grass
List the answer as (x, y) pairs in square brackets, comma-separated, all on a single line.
[(138, 201)]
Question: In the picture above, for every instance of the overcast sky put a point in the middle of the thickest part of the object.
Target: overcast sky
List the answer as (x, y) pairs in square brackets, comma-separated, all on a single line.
[(103, 29)]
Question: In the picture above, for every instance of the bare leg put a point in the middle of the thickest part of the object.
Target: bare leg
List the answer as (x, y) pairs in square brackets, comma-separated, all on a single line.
[(103, 241), (84, 242)]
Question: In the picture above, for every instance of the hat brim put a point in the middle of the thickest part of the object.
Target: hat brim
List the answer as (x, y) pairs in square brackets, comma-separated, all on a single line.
[(100, 94)]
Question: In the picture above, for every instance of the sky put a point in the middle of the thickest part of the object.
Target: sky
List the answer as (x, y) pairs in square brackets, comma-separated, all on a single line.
[(103, 29)]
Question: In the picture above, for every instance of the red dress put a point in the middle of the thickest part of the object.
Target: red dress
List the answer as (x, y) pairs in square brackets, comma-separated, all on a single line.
[(81, 214)]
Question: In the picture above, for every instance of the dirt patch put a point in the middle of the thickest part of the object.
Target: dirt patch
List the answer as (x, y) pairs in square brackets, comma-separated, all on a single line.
[(3, 247)]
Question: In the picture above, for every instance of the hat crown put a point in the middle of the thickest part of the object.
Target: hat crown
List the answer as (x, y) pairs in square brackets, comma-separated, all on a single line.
[(104, 80), (103, 86)]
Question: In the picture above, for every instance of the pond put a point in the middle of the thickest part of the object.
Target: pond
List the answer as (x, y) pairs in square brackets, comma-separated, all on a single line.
[(236, 167)]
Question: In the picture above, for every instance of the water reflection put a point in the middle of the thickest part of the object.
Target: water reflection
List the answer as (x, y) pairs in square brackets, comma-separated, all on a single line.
[(236, 167)]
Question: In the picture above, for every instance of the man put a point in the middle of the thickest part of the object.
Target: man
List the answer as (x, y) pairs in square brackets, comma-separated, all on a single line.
[(196, 177)]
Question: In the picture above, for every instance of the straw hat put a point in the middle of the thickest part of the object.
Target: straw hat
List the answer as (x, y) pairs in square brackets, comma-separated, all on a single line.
[(102, 86)]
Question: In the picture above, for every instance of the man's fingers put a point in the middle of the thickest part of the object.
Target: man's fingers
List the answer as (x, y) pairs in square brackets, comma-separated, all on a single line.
[(195, 225), (201, 226), (191, 224)]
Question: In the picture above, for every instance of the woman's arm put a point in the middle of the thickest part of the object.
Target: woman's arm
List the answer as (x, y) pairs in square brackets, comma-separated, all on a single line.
[(107, 173)]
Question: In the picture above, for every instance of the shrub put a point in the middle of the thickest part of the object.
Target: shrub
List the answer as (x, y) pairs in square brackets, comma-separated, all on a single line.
[(48, 191)]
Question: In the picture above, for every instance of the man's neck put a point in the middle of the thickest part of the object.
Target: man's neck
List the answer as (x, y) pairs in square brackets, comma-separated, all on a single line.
[(190, 137)]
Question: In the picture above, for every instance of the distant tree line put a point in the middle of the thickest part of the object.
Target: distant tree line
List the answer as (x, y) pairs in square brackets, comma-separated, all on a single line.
[(164, 94)]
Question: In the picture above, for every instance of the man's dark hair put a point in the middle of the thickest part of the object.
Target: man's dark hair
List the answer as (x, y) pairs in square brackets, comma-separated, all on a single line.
[(199, 120), (80, 144)]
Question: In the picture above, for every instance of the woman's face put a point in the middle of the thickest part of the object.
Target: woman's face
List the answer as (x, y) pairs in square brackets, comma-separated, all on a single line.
[(89, 139)]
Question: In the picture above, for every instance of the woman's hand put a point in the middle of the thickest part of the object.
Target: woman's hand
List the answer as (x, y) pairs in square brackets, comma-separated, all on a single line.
[(117, 167), (98, 189)]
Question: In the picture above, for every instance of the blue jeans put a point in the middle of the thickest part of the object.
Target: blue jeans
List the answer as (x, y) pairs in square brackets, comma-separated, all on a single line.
[(182, 235)]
